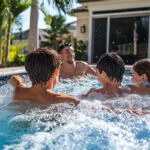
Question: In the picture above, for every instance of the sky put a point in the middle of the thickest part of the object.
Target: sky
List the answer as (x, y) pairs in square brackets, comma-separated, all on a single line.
[(25, 16)]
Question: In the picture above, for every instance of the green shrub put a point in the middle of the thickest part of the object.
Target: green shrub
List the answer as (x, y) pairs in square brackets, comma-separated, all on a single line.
[(81, 50), (16, 57)]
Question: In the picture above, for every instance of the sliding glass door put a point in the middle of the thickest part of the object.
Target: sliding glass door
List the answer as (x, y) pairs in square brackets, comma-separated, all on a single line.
[(128, 36), (99, 38)]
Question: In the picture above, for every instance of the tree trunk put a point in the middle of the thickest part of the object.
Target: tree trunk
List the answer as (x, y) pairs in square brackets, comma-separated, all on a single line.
[(33, 42), (7, 41), (1, 52)]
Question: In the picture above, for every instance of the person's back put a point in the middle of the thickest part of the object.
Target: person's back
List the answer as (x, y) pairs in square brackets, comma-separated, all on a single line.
[(70, 68), (43, 96), (42, 67)]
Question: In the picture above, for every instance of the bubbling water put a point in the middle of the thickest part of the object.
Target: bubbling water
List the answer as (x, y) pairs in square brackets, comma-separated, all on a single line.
[(89, 126)]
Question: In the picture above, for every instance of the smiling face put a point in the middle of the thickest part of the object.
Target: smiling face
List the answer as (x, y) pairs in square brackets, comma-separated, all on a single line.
[(136, 78), (68, 55)]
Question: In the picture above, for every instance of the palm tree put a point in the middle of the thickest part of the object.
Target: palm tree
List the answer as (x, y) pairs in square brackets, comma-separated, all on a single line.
[(61, 5), (33, 32), (57, 28), (13, 9), (2, 25)]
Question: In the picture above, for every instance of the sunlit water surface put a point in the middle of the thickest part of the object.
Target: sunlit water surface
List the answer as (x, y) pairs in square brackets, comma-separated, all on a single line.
[(89, 126)]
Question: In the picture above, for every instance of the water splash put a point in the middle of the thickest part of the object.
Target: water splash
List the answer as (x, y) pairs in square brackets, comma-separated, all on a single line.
[(89, 126)]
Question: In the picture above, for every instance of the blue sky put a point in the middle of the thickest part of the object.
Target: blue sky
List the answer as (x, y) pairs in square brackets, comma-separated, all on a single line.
[(26, 18)]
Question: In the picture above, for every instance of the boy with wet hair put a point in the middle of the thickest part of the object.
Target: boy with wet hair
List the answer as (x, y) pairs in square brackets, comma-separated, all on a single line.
[(42, 67), (110, 69), (141, 77), (141, 72), (113, 65), (71, 68)]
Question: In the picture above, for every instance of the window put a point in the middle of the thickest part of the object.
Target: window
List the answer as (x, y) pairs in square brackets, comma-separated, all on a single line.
[(127, 35), (99, 38)]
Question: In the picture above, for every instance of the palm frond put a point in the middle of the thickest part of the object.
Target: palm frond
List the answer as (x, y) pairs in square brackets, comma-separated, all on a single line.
[(48, 17), (20, 6), (62, 5)]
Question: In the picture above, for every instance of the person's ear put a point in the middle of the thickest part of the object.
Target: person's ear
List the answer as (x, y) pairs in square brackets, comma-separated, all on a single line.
[(60, 57), (54, 78), (56, 73), (144, 77), (104, 75)]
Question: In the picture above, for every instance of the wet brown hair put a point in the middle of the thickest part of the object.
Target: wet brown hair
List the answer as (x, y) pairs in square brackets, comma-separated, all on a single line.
[(113, 65), (40, 65), (61, 47), (142, 67)]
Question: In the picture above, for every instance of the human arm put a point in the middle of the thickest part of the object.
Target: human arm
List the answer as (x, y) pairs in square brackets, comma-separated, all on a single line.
[(62, 98), (139, 90), (16, 81), (132, 111), (90, 70), (87, 94), (137, 112), (18, 84)]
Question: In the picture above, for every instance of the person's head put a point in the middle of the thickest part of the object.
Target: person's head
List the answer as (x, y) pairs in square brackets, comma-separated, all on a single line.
[(110, 67), (41, 65), (141, 71), (67, 53)]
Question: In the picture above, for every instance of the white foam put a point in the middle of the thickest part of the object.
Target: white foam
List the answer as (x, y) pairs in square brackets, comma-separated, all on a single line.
[(6, 95)]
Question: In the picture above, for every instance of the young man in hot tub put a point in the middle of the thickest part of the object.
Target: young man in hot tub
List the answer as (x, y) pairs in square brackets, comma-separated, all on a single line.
[(42, 67), (110, 69), (71, 68)]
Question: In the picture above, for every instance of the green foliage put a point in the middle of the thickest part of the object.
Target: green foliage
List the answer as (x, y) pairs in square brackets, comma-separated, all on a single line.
[(17, 25), (61, 5), (15, 7), (9, 11), (81, 50), (16, 57), (57, 28)]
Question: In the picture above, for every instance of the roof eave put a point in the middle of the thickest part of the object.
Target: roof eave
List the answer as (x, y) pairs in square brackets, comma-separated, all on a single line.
[(82, 1)]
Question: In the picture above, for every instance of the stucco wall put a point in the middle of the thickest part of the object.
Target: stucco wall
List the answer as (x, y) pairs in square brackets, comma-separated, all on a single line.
[(83, 17), (117, 4)]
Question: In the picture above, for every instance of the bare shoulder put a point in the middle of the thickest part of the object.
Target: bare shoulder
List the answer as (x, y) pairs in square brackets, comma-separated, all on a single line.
[(21, 93), (82, 63), (87, 68)]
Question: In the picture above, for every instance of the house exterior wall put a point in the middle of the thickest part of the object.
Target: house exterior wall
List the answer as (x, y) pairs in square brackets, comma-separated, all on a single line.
[(116, 4), (83, 19), (105, 5)]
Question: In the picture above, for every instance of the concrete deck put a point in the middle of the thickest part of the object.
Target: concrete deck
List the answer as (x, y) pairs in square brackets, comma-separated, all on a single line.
[(20, 70), (11, 71)]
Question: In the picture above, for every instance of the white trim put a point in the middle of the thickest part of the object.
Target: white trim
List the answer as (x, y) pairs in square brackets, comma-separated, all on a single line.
[(90, 39), (121, 14), (149, 40), (108, 33)]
